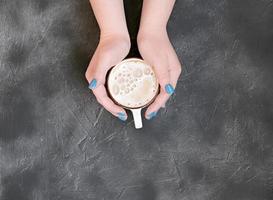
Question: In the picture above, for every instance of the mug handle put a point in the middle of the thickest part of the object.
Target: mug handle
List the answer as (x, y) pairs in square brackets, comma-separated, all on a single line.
[(137, 117)]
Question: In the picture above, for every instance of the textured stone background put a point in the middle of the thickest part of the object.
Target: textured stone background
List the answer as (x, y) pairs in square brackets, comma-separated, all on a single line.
[(214, 141)]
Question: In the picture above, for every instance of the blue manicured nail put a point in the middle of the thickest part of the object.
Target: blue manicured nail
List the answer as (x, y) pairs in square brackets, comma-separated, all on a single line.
[(169, 89), (151, 115), (92, 84), (122, 116)]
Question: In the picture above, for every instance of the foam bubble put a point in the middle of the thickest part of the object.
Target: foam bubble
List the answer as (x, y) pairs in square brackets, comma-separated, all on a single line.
[(137, 73), (115, 89), (147, 71)]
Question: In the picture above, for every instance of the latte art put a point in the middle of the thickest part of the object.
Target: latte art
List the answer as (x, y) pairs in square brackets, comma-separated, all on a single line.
[(132, 83)]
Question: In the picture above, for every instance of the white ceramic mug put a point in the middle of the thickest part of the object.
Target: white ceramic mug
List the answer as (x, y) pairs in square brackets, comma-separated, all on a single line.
[(135, 109)]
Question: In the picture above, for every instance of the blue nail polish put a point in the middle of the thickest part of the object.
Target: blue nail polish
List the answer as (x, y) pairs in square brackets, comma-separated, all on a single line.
[(121, 114), (92, 84), (169, 89), (122, 118), (152, 115)]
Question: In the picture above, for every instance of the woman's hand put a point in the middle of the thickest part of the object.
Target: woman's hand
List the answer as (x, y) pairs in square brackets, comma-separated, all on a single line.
[(114, 45), (111, 50), (156, 49)]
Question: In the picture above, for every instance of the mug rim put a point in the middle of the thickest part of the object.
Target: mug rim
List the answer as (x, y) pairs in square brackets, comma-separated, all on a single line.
[(126, 107)]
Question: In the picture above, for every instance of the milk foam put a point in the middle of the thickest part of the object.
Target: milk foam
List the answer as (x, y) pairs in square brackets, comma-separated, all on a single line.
[(132, 83)]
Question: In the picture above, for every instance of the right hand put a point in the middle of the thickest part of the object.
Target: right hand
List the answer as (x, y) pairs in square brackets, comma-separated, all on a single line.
[(156, 49), (111, 50)]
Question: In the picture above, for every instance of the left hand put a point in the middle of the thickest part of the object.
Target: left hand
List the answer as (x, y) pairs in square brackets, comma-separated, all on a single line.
[(157, 50), (111, 50)]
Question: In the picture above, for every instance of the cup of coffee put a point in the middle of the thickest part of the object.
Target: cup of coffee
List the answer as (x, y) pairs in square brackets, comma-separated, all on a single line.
[(132, 84)]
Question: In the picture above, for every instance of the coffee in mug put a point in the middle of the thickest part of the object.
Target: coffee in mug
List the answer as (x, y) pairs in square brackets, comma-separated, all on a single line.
[(133, 85)]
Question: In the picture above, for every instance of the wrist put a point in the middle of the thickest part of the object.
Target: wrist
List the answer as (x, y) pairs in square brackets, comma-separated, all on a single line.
[(104, 34), (152, 31), (115, 35), (152, 26)]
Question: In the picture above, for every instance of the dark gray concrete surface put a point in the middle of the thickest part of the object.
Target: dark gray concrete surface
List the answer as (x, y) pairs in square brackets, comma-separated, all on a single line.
[(214, 141)]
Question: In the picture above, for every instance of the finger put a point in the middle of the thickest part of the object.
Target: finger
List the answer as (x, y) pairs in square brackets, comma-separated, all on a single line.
[(108, 104), (166, 88), (159, 102), (97, 71), (174, 71), (174, 67), (91, 68)]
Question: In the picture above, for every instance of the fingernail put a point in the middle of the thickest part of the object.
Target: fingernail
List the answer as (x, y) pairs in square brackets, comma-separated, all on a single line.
[(151, 115), (92, 84), (122, 116), (169, 89)]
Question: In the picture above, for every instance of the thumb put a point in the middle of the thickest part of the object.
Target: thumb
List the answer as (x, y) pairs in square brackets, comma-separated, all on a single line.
[(163, 76), (96, 73)]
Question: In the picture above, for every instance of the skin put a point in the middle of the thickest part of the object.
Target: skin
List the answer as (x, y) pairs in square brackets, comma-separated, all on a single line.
[(153, 35), (114, 45)]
